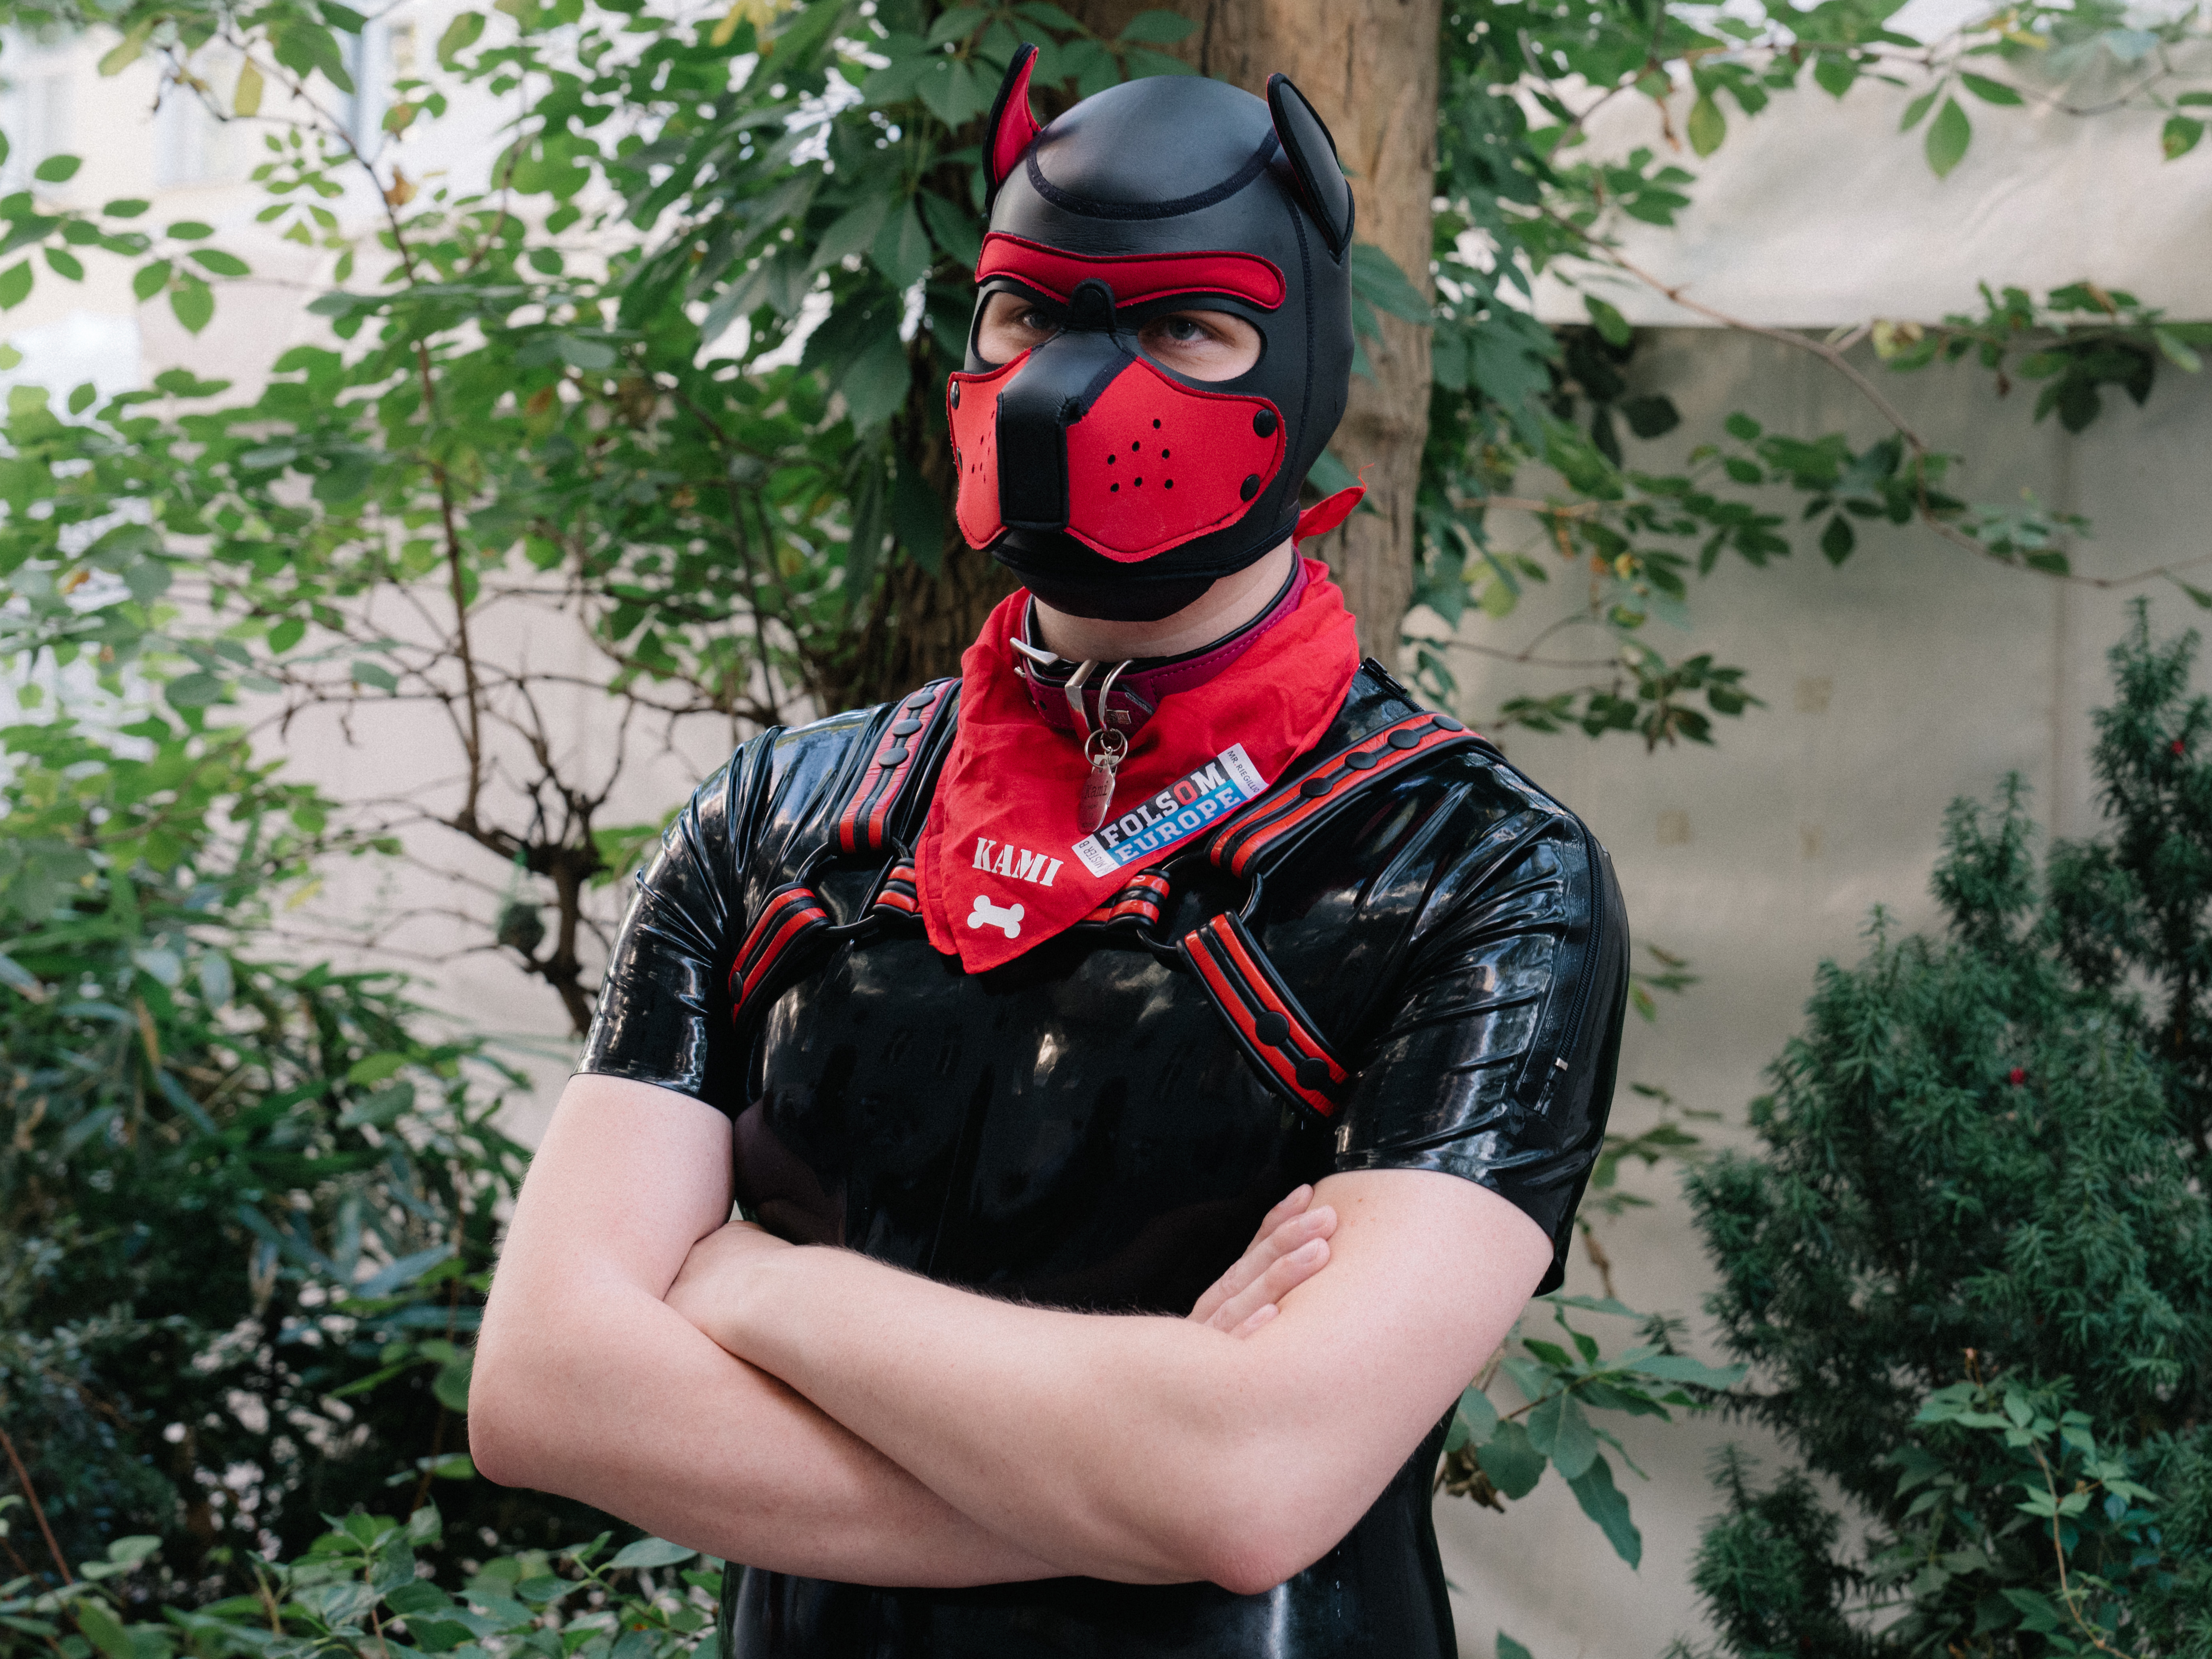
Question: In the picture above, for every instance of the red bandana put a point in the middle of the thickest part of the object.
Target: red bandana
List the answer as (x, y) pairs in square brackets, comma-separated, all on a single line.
[(1004, 865)]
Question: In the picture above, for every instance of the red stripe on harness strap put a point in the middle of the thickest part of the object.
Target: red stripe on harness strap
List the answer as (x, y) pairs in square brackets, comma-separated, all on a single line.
[(861, 825), (1141, 898), (1261, 981), (1280, 813), (897, 892), (1238, 979), (783, 920)]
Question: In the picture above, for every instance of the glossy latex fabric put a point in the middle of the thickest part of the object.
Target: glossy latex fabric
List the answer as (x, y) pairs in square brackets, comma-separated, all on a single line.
[(1078, 1128)]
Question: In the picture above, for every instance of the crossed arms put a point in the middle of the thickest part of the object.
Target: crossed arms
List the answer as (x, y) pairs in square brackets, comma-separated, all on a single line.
[(807, 1410)]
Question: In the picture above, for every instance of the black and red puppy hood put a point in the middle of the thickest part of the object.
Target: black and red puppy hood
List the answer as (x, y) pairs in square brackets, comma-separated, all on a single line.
[(1111, 485)]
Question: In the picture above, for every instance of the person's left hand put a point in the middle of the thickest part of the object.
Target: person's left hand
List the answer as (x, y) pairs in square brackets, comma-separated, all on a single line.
[(712, 1275)]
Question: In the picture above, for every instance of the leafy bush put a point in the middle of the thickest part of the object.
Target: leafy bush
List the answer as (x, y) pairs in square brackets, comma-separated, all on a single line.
[(369, 1587), (1973, 1263), (246, 1208)]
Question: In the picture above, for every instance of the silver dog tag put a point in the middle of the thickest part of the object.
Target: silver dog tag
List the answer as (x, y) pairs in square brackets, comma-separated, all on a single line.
[(1097, 799)]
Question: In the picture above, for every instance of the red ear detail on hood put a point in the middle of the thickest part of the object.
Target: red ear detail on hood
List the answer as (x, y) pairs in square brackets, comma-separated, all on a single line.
[(1012, 125)]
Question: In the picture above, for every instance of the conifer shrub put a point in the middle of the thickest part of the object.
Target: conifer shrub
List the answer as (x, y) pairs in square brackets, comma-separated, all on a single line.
[(1970, 1263)]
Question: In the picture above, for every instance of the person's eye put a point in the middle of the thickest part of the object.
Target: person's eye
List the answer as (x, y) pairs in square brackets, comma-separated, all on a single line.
[(1182, 331), (1036, 322)]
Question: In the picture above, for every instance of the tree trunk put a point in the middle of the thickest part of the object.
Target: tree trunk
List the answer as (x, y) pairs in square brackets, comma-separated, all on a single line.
[(1369, 67)]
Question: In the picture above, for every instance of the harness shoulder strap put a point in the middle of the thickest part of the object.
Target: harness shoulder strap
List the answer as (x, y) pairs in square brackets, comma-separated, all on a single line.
[(1271, 826), (1284, 1044), (876, 803), (910, 749), (1277, 1035)]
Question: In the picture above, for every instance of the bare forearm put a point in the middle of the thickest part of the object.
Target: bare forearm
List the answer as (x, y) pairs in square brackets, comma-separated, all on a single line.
[(1107, 1443), (619, 1402), (1148, 1450)]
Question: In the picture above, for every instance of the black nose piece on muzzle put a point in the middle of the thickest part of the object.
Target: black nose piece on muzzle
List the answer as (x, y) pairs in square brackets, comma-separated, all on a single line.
[(1059, 383)]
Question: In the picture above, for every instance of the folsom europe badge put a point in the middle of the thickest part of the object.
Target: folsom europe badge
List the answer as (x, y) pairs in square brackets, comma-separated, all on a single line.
[(1184, 807)]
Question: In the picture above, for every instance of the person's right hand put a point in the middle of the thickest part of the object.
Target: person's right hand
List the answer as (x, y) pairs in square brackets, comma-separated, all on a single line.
[(1291, 1246)]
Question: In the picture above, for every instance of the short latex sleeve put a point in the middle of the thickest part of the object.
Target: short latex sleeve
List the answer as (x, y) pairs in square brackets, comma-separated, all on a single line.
[(1498, 1061), (664, 1017)]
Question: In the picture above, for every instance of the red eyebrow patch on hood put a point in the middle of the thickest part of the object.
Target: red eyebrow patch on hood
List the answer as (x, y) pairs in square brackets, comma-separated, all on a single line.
[(1134, 278)]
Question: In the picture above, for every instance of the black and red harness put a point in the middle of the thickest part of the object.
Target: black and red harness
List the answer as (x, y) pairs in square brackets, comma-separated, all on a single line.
[(884, 794)]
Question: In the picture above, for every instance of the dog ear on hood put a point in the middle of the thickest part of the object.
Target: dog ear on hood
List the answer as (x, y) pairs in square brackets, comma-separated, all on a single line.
[(1306, 139), (1006, 135)]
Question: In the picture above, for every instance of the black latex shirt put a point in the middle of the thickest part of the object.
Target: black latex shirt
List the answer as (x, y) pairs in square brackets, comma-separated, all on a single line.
[(1078, 1128)]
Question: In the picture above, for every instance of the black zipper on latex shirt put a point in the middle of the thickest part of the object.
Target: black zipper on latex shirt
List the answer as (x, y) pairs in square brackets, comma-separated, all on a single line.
[(1573, 1028)]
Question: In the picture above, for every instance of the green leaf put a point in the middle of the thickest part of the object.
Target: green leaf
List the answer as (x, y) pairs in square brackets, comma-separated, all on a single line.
[(901, 249), (1740, 426), (222, 263), (374, 1068), (2179, 134), (1680, 1368), (1612, 327), (150, 279), (1475, 1410), (64, 263), (246, 97), (1708, 126), (194, 302), (104, 1630), (1918, 107), (2199, 595), (125, 52), (450, 1388), (651, 1552), (193, 690), (460, 34), (1601, 1501), (1377, 278), (1558, 1428), (14, 284), (1948, 135), (1838, 540), (1988, 91), (1834, 72), (1511, 1460), (875, 385), (954, 230), (851, 232), (57, 169), (81, 399), (593, 356), (957, 24), (1509, 1649), (1157, 29)]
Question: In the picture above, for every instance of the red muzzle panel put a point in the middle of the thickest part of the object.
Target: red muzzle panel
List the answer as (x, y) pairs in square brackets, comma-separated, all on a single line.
[(971, 407), (1152, 464)]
